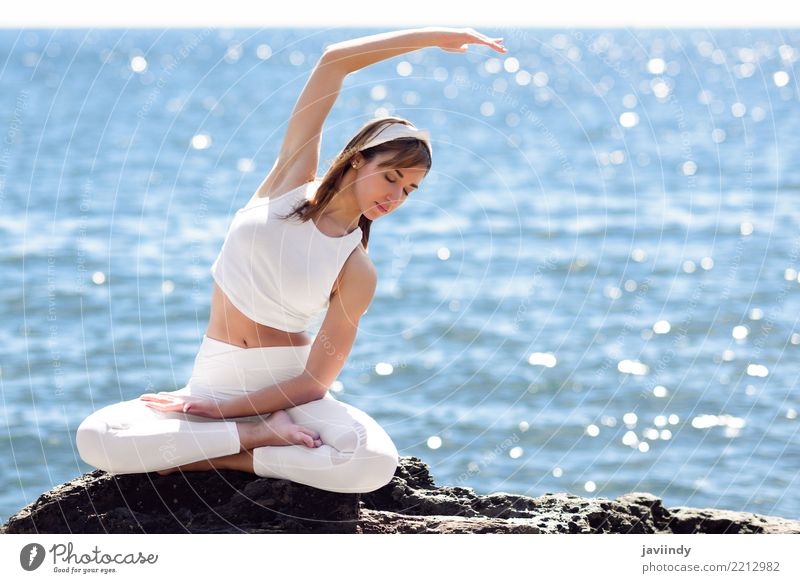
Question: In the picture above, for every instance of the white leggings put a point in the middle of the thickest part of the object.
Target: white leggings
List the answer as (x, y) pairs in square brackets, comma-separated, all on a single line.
[(356, 454)]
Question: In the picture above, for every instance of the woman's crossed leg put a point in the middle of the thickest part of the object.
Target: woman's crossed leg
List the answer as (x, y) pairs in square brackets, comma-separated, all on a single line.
[(349, 452)]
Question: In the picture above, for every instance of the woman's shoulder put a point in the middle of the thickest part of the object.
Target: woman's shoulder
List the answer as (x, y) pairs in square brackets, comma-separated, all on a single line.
[(358, 271), (276, 191), (279, 192), (359, 266), (275, 185)]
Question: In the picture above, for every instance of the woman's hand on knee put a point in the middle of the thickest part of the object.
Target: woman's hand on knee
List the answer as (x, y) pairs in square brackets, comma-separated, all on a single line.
[(166, 402)]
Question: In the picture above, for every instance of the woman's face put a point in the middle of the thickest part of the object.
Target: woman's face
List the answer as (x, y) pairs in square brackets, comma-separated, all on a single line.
[(380, 191)]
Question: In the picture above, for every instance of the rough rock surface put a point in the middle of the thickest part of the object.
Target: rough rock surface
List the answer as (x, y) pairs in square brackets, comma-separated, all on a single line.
[(229, 501)]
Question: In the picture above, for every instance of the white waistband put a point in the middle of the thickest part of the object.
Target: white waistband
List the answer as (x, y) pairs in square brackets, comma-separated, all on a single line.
[(260, 356)]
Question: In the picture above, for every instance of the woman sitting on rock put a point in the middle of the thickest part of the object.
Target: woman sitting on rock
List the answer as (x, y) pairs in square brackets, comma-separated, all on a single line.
[(258, 399)]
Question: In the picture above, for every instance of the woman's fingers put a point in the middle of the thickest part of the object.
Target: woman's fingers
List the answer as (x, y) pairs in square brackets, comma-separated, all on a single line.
[(160, 403), (154, 399), (163, 403), (161, 407), (495, 43), (158, 397), (168, 403), (457, 40)]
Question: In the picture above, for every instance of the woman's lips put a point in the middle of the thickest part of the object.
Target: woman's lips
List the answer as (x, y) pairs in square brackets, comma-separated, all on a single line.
[(380, 207)]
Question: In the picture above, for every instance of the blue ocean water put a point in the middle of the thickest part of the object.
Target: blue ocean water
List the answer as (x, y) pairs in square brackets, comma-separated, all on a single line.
[(595, 290)]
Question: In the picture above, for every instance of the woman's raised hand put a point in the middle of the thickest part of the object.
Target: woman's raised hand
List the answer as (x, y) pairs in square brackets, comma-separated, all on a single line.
[(166, 402), (455, 40)]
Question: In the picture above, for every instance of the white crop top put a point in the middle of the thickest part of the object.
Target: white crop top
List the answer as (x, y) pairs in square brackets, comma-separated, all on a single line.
[(279, 272)]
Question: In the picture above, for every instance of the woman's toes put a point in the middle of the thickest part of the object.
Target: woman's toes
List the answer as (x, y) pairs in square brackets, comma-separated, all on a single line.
[(310, 432), (312, 441)]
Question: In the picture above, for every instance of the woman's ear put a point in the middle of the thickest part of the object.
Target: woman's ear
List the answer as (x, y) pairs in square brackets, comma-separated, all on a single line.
[(357, 161)]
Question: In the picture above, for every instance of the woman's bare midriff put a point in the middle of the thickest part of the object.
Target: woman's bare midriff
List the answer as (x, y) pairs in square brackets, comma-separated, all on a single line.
[(228, 324)]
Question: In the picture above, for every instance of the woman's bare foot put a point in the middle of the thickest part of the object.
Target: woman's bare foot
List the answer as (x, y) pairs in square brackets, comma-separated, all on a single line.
[(277, 429)]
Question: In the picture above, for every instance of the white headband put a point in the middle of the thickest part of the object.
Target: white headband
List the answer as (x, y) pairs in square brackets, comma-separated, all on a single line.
[(398, 130)]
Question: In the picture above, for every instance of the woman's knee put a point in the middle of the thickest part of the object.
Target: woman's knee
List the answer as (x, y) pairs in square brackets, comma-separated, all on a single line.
[(90, 439), (373, 463), (100, 442), (371, 470)]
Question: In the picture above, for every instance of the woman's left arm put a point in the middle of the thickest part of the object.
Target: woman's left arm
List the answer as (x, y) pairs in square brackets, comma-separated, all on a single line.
[(352, 55), (292, 392), (328, 354)]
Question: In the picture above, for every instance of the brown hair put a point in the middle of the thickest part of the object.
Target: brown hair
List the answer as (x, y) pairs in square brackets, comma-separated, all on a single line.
[(407, 152)]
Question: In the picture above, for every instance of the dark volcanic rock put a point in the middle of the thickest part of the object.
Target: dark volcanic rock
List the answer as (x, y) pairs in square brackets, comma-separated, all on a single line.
[(231, 501), (194, 502)]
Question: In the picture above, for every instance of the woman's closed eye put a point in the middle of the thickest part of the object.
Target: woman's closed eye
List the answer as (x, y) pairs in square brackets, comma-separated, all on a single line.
[(393, 181)]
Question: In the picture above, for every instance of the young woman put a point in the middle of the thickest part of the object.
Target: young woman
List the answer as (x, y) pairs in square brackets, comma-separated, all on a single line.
[(258, 399)]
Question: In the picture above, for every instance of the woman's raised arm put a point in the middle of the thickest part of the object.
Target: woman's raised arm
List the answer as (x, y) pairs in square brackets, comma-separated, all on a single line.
[(352, 55), (298, 157)]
